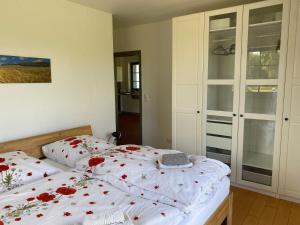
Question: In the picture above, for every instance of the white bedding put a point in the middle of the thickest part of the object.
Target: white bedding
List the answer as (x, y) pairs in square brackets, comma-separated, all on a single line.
[(133, 169), (202, 212), (68, 197), (150, 212), (57, 165)]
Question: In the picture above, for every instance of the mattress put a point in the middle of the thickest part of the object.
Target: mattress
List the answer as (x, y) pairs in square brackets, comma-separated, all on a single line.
[(201, 213), (57, 165)]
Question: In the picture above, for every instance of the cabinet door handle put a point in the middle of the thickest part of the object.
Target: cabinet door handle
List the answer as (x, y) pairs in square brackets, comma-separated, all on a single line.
[(234, 114), (241, 115), (286, 119), (198, 111)]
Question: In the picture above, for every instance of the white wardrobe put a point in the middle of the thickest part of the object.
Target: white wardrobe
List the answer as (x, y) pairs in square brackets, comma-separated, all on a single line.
[(235, 97)]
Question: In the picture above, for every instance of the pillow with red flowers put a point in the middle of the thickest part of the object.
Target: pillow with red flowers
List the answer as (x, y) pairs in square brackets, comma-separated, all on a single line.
[(17, 168), (72, 149)]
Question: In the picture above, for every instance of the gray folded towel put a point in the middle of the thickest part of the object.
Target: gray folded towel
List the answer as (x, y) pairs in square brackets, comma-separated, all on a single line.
[(176, 159)]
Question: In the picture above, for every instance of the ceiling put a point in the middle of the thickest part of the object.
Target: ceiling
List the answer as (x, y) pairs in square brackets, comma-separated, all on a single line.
[(133, 12)]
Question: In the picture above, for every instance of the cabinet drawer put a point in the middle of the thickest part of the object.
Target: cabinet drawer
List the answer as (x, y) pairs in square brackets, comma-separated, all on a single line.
[(218, 142), (221, 157), (219, 128), (257, 177)]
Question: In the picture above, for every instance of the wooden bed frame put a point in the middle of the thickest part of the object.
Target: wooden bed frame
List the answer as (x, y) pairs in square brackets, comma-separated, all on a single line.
[(32, 146)]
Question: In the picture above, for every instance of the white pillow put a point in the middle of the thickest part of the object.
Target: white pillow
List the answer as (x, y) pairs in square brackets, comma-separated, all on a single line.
[(72, 149), (17, 168)]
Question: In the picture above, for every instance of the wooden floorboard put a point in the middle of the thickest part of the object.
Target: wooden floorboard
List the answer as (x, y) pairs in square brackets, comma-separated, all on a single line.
[(250, 208)]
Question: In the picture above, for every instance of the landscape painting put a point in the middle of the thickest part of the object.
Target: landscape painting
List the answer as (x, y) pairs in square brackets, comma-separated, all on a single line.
[(17, 69)]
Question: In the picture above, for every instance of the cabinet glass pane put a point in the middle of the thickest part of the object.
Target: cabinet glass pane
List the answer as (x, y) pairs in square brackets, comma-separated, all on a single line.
[(261, 99), (258, 151), (221, 57), (219, 138), (220, 97), (264, 37)]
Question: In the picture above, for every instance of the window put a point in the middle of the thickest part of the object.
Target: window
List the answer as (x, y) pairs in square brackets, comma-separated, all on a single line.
[(135, 76)]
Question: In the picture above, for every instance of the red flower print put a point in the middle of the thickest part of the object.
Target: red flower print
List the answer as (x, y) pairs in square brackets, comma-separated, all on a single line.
[(67, 214), (72, 178), (132, 148), (30, 199), (135, 218), (65, 191), (86, 194), (56, 201), (18, 219), (2, 160), (124, 176), (96, 161), (122, 165), (1, 223), (76, 142), (39, 215), (4, 168), (74, 146), (70, 139), (13, 164), (45, 197), (89, 212), (7, 207), (120, 150), (29, 174)]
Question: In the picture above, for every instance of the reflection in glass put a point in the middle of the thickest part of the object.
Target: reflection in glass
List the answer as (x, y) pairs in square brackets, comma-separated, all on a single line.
[(222, 46), (261, 99), (220, 97)]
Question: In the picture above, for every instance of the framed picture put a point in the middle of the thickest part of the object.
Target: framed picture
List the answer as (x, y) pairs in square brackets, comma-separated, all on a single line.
[(17, 69)]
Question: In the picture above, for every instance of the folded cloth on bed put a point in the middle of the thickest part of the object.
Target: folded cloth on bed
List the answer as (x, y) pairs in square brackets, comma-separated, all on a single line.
[(133, 169), (176, 159), (108, 217), (161, 165)]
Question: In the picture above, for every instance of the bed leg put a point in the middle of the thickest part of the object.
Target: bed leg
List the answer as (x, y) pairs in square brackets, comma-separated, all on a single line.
[(229, 216)]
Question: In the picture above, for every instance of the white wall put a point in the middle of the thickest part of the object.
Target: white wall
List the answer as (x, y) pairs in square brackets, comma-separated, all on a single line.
[(79, 42), (155, 42)]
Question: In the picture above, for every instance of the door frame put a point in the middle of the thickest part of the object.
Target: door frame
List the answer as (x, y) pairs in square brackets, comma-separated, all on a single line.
[(126, 54)]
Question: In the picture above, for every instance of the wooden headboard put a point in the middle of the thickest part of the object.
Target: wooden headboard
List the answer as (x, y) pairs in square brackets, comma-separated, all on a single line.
[(32, 145)]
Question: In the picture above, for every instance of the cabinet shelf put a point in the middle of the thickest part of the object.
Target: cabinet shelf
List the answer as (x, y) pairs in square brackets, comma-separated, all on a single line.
[(258, 160), (222, 29)]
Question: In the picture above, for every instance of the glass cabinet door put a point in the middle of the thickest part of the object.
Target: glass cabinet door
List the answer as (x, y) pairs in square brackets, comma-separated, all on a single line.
[(221, 79), (260, 93)]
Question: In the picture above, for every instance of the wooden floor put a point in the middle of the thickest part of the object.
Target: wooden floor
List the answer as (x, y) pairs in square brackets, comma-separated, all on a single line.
[(250, 208)]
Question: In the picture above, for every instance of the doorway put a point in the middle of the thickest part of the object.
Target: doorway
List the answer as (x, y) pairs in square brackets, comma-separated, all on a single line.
[(128, 92)]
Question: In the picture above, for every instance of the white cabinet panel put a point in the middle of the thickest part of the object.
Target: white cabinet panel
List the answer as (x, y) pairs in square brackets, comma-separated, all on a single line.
[(293, 157), (186, 98), (186, 82), (186, 37), (289, 182), (186, 133)]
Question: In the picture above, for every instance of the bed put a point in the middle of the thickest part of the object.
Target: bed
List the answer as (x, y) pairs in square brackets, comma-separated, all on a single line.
[(217, 211)]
